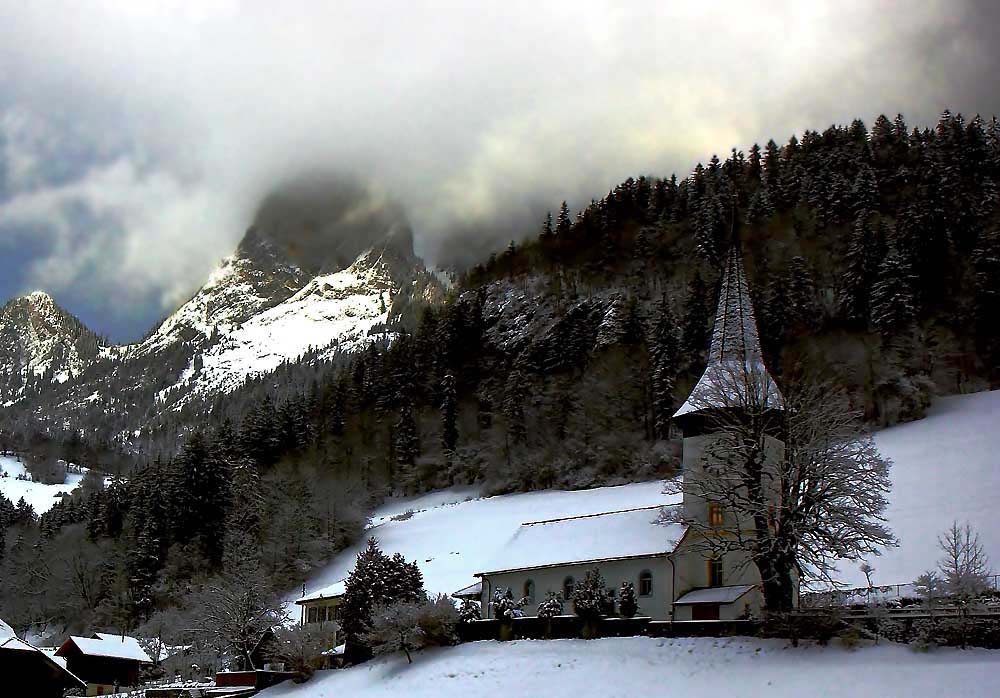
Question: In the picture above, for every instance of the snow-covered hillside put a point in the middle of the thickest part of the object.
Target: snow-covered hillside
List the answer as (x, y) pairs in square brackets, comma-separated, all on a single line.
[(40, 496), (632, 667), (334, 311), (452, 536), (946, 467)]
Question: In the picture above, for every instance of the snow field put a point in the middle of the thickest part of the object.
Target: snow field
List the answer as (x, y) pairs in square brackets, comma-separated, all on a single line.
[(667, 668), (41, 496)]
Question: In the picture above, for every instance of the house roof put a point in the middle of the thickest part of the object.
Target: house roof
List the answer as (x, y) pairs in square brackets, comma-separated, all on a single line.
[(5, 630), (107, 645), (735, 359), (471, 591), (15, 644), (333, 591), (612, 535), (713, 595)]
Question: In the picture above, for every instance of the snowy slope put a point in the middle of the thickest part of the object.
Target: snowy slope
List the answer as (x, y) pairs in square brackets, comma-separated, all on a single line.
[(633, 667), (42, 497), (37, 339), (335, 310), (453, 539), (945, 467)]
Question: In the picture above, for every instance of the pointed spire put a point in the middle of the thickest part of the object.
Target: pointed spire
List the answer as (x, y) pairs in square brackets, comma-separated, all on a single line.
[(735, 359)]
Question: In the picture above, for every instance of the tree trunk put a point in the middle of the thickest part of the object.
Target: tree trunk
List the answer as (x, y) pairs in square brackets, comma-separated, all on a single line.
[(779, 588)]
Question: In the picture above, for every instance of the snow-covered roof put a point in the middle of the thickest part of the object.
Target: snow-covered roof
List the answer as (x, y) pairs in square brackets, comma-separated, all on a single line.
[(611, 535), (107, 645), (473, 590), (735, 359), (714, 595), (5, 630), (331, 592), (16, 644)]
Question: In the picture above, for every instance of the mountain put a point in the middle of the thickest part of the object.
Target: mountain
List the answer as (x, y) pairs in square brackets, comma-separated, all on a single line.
[(268, 304), (41, 343)]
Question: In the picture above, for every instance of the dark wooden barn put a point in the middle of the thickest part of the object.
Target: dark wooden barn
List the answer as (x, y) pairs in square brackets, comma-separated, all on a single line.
[(105, 662), (28, 671)]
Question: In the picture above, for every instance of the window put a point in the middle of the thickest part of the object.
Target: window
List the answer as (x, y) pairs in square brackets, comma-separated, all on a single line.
[(529, 591), (715, 572), (568, 585), (715, 517), (312, 615), (645, 583)]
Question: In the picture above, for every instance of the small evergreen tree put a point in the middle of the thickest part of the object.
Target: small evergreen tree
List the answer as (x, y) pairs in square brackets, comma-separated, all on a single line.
[(591, 599), (551, 607), (628, 604)]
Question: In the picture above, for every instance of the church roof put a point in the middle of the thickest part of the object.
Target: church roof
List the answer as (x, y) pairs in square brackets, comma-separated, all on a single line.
[(591, 538), (735, 360)]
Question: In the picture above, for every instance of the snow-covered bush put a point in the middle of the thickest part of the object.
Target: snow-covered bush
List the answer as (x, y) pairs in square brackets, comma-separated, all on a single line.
[(628, 604), (552, 606), (437, 621), (504, 605), (591, 599), (469, 611)]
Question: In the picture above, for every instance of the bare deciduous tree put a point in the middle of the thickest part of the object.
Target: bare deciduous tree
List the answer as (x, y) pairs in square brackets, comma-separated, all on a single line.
[(819, 500), (234, 611), (964, 565)]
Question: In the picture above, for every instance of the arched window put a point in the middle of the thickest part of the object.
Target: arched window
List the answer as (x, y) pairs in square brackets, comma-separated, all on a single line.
[(645, 583), (568, 586), (529, 591)]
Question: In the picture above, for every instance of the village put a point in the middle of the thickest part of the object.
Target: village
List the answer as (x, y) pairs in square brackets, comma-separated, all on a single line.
[(681, 568)]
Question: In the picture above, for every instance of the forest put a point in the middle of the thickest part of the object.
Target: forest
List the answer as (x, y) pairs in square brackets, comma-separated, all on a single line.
[(874, 262)]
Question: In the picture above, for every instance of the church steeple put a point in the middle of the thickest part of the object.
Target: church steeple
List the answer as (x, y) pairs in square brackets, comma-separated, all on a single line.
[(735, 359)]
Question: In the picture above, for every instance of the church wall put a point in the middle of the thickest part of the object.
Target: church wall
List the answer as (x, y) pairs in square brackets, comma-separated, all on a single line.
[(657, 604)]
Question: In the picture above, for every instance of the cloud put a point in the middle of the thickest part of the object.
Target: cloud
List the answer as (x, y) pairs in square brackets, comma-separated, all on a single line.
[(177, 118)]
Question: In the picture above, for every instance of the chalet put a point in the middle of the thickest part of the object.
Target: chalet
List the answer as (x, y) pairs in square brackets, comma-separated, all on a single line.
[(659, 550), (27, 670), (320, 609), (105, 662)]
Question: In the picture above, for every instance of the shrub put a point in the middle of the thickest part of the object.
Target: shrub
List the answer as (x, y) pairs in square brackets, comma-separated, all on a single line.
[(437, 620), (552, 606), (628, 604), (591, 599), (505, 607), (469, 611)]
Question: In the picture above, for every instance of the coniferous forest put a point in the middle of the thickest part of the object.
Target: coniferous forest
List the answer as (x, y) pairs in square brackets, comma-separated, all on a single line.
[(874, 260)]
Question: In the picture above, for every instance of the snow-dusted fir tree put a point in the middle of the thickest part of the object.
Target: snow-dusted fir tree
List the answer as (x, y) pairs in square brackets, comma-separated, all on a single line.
[(469, 611), (449, 414), (407, 442), (591, 599), (628, 604), (892, 302), (663, 360)]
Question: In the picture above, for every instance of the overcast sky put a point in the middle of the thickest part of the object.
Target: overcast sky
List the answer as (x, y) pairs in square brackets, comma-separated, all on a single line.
[(136, 138)]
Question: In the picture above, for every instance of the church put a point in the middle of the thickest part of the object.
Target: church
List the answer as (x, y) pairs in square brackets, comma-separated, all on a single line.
[(666, 552)]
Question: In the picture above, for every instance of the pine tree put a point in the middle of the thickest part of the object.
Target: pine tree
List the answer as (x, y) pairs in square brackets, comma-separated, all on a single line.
[(547, 230), (858, 275), (407, 442), (628, 604), (513, 406), (694, 328), (801, 306), (663, 352), (449, 414), (864, 192), (761, 209), (892, 303), (563, 222), (591, 599)]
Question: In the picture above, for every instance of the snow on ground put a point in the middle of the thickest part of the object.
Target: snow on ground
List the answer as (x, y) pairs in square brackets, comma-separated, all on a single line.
[(41, 496), (631, 667), (945, 467), (451, 539)]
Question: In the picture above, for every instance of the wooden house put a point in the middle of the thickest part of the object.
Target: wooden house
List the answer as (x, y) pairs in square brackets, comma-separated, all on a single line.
[(105, 662)]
